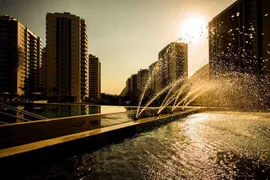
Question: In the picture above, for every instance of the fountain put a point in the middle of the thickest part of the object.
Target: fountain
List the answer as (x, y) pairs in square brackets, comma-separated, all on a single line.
[(174, 91), (235, 89), (148, 82), (234, 81), (168, 99), (154, 98)]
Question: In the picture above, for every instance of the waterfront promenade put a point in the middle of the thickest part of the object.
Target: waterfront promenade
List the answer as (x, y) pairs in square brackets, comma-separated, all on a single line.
[(25, 137)]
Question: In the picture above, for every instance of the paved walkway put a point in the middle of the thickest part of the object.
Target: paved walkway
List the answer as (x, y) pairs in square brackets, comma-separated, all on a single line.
[(24, 137), (20, 134)]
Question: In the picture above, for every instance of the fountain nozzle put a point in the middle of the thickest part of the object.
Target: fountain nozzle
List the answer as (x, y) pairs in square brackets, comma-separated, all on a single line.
[(136, 118)]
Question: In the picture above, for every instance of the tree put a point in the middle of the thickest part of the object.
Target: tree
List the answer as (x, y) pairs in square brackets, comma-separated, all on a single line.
[(109, 99)]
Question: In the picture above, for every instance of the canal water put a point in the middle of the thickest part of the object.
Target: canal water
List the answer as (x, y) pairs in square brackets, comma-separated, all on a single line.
[(210, 145)]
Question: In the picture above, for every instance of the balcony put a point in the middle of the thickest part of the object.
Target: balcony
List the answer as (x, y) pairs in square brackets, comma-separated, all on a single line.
[(83, 27), (84, 89), (84, 62), (84, 54), (22, 75), (84, 68), (84, 84), (83, 73), (83, 78)]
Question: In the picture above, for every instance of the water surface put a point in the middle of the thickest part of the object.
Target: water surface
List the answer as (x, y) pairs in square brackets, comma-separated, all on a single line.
[(56, 111), (214, 145)]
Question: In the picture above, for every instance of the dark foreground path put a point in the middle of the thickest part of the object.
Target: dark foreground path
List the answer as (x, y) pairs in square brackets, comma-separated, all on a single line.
[(20, 134)]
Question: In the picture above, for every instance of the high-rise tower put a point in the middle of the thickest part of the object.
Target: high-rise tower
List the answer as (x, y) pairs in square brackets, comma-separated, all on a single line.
[(20, 57), (239, 39), (173, 62), (94, 78), (67, 63)]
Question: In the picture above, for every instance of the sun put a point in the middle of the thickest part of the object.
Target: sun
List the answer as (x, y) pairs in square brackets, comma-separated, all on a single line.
[(193, 29)]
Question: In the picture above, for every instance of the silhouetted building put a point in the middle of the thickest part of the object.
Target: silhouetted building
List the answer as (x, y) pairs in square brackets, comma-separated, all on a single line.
[(133, 87), (154, 72), (20, 57), (128, 88), (84, 62), (42, 81), (94, 78), (133, 82), (39, 66), (142, 77), (173, 61), (239, 39), (67, 56), (35, 59)]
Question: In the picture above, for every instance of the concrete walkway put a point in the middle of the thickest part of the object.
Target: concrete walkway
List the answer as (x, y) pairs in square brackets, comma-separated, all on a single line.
[(24, 133), (20, 138)]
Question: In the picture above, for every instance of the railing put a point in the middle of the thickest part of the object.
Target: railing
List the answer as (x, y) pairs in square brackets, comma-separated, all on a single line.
[(20, 111), (2, 122), (10, 115)]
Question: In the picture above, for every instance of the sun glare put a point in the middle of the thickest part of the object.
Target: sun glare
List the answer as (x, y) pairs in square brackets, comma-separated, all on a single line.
[(193, 29)]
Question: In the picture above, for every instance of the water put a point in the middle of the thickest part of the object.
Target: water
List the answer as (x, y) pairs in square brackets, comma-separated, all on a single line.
[(57, 111), (212, 145), (148, 104), (236, 90)]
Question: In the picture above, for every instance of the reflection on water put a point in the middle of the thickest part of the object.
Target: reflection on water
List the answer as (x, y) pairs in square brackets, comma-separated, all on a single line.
[(112, 109), (202, 146), (56, 111), (19, 114)]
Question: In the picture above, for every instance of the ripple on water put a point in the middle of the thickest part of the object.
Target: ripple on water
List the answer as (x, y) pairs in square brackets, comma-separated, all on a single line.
[(210, 145)]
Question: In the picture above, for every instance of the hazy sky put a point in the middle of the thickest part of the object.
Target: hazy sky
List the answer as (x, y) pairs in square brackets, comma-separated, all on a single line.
[(126, 35)]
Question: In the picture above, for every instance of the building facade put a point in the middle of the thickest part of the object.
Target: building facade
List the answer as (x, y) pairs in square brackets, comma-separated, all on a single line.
[(20, 58), (42, 74), (84, 62), (173, 60), (142, 77), (154, 72), (239, 39), (133, 87), (67, 63), (94, 78), (128, 89), (34, 57)]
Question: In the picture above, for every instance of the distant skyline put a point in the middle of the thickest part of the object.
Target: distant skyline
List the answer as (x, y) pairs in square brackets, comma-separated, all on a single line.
[(126, 35)]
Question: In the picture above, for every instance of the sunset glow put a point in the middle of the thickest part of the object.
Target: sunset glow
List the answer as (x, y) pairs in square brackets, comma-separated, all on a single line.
[(193, 29)]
